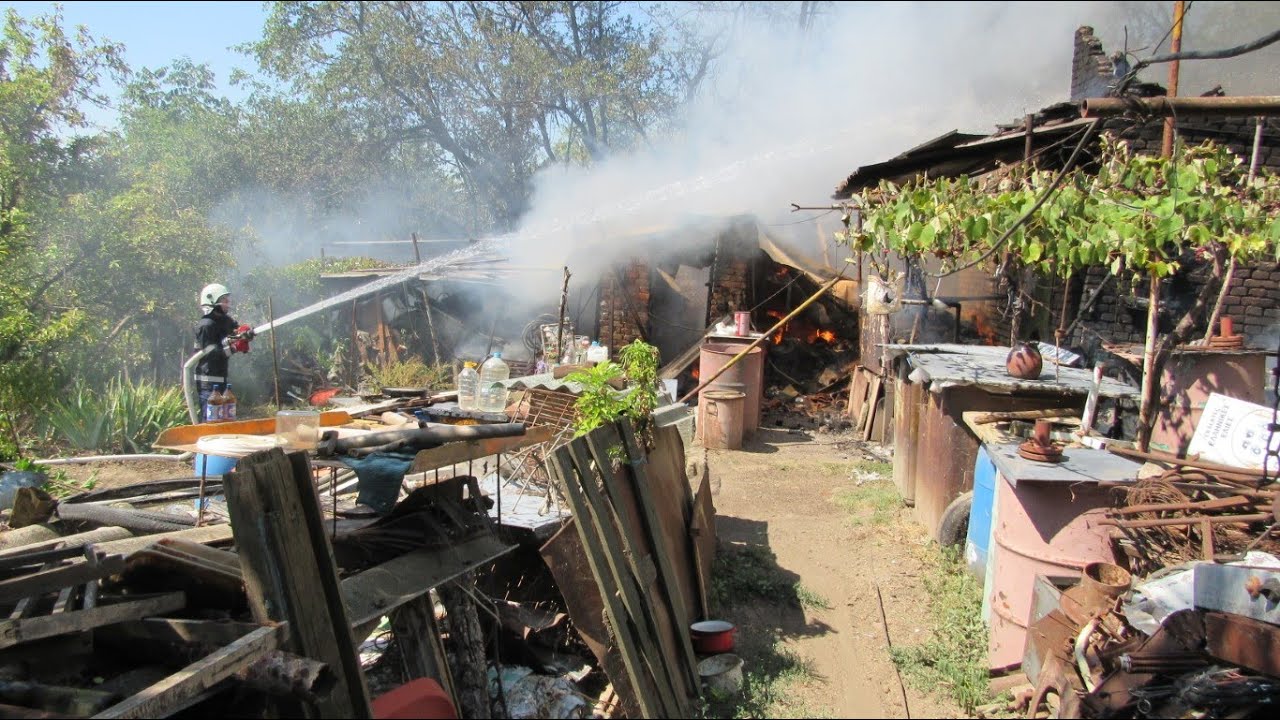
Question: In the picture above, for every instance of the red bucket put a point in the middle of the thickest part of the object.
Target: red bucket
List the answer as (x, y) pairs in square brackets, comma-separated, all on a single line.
[(712, 637)]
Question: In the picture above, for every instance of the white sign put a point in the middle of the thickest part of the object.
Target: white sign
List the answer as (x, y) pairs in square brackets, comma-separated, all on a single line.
[(1233, 432)]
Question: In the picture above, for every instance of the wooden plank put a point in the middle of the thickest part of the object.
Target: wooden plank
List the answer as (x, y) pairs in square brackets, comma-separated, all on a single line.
[(460, 452), (608, 530), (414, 627), (374, 592), (162, 698), (78, 541), (620, 506), (16, 589), (703, 530), (207, 535), (649, 516), (217, 633), (645, 691), (182, 436), (873, 395), (13, 632), (289, 573), (567, 559), (857, 393)]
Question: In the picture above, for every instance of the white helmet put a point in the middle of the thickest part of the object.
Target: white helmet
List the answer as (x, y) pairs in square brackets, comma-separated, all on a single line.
[(211, 293)]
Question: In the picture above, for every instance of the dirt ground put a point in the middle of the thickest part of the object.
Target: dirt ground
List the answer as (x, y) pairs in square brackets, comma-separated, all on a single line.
[(784, 490), (110, 474)]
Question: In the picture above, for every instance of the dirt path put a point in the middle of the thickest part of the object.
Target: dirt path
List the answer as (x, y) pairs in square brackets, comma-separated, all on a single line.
[(841, 539)]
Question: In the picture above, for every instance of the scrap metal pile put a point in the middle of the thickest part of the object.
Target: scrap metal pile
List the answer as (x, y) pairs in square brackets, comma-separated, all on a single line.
[(1191, 628)]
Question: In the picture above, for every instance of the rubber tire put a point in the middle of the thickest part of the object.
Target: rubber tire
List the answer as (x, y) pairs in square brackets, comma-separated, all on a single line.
[(953, 528)]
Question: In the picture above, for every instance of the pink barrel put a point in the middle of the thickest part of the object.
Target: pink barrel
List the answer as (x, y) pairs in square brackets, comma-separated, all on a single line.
[(1046, 529), (747, 374)]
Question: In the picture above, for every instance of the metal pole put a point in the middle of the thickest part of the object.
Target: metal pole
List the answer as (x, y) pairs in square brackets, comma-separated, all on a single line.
[(275, 358), (1146, 415), (830, 284), (1175, 46)]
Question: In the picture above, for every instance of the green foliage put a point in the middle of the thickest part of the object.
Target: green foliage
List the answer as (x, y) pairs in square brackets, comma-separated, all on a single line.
[(640, 365), (1135, 211), (599, 402), (811, 599), (126, 417), (747, 573), (954, 659), (874, 499), (412, 373)]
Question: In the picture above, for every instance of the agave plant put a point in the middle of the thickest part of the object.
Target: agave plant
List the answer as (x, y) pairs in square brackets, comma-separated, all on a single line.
[(141, 411), (84, 420)]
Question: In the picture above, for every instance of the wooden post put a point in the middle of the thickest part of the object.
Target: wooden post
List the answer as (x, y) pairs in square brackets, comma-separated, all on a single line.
[(275, 357), (414, 627), (564, 297), (471, 674), (417, 256), (431, 326), (1175, 46), (288, 569)]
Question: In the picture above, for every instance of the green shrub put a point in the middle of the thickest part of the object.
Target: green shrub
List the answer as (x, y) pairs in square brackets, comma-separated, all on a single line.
[(412, 373), (127, 417)]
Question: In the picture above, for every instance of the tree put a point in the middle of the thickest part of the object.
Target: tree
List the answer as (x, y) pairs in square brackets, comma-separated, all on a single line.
[(46, 77), (495, 90), (1148, 214)]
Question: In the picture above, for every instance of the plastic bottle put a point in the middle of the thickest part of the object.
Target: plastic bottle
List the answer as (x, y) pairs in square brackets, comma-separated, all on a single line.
[(493, 395), (468, 387), (213, 406), (581, 355), (597, 353), (228, 404)]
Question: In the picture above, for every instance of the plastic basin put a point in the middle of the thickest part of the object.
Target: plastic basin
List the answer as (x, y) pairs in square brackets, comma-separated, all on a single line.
[(213, 464)]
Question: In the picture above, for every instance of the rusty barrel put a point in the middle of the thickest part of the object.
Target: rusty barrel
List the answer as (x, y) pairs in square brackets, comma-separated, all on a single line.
[(747, 374), (723, 418), (1049, 529)]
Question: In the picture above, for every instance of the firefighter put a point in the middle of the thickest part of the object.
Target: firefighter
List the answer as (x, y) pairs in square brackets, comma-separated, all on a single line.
[(219, 334)]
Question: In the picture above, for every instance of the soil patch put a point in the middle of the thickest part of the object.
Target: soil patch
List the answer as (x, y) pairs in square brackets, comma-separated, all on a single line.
[(820, 505)]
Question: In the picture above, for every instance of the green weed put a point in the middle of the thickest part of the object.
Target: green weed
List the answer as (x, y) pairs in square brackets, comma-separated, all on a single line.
[(749, 572), (127, 416), (811, 599), (876, 502), (876, 467), (954, 659)]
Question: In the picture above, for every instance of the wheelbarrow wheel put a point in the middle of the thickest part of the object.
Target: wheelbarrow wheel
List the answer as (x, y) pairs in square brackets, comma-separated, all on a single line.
[(953, 528)]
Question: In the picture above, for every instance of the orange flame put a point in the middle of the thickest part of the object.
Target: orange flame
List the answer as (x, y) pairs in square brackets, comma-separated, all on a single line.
[(985, 331)]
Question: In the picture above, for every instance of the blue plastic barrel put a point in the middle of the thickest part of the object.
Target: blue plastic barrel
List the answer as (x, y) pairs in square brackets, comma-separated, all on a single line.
[(213, 465), (978, 541)]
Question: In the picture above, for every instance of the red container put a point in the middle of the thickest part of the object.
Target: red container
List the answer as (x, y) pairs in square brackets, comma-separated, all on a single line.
[(742, 323), (712, 637)]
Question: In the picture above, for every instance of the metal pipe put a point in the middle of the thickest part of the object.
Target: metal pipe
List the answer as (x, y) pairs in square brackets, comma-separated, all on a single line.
[(437, 435), (99, 458), (1256, 105), (1175, 47), (760, 340)]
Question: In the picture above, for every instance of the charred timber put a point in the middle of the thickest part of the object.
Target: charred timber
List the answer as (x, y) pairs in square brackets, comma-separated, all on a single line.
[(1251, 106), (424, 437)]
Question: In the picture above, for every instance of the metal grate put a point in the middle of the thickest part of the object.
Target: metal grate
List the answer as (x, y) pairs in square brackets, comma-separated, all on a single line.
[(548, 407)]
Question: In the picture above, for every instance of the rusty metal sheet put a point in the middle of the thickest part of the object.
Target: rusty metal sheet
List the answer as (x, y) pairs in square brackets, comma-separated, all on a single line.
[(1243, 641), (567, 560)]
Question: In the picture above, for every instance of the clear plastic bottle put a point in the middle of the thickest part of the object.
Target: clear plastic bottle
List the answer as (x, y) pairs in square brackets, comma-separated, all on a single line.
[(468, 387), (228, 404), (493, 395), (597, 353)]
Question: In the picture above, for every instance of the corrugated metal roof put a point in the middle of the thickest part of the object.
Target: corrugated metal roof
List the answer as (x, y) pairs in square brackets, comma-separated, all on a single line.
[(946, 365)]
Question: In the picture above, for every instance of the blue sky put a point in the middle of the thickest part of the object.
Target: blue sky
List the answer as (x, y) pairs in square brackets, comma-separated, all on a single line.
[(156, 33)]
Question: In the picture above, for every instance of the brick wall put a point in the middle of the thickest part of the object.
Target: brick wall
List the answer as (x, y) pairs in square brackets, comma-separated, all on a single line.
[(730, 275), (623, 306), (1091, 69)]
